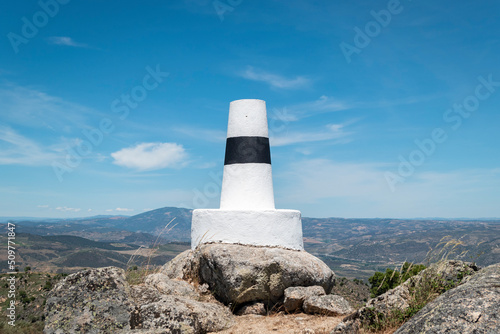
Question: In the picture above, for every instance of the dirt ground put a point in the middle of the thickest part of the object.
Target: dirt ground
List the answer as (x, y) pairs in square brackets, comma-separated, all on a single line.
[(283, 323)]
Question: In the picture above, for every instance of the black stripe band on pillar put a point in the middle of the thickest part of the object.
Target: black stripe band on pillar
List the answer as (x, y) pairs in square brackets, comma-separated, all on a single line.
[(241, 150)]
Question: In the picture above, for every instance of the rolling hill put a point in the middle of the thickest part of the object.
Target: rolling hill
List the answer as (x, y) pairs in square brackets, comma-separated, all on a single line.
[(354, 248)]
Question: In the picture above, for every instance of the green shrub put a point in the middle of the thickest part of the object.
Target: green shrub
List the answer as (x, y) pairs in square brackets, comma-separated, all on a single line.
[(383, 282), (48, 285)]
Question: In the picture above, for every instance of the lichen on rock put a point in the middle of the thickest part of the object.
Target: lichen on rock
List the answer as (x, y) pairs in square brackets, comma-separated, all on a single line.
[(239, 274)]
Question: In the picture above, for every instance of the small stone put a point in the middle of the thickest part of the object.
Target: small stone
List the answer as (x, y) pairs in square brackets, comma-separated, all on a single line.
[(256, 309), (295, 296), (330, 305)]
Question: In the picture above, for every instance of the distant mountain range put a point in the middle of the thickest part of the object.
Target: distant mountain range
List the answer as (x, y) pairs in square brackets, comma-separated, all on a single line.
[(39, 219), (351, 247)]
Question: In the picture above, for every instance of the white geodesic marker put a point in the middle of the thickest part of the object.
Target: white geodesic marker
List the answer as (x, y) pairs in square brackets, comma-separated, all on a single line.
[(247, 214), (247, 181)]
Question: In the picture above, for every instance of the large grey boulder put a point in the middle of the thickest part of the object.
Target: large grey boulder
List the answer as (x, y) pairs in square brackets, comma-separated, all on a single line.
[(184, 315), (89, 301), (101, 301), (472, 307), (239, 274), (331, 305), (445, 274), (295, 296)]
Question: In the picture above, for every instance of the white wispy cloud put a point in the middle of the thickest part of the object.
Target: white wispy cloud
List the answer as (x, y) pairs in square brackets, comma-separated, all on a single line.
[(18, 149), (151, 156), (327, 104), (58, 125), (329, 132), (66, 209), (37, 109), (274, 80), (42, 206), (64, 40), (123, 209)]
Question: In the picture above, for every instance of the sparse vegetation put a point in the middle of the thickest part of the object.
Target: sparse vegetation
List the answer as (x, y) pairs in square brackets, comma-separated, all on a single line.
[(135, 277), (383, 282), (31, 294), (429, 287)]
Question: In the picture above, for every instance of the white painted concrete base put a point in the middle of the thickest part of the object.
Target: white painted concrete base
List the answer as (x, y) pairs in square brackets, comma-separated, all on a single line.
[(281, 228)]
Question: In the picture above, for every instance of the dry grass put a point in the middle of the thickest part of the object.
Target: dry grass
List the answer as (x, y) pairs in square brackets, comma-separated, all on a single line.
[(145, 269), (448, 248), (283, 323)]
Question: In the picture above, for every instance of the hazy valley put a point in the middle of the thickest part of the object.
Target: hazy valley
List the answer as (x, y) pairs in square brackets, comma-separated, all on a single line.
[(353, 248)]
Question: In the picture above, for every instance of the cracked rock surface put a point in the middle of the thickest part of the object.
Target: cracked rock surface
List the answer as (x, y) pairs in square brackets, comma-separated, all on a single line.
[(101, 301), (238, 274), (472, 307)]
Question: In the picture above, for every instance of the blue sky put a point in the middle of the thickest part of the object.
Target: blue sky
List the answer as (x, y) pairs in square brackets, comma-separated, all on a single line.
[(375, 108)]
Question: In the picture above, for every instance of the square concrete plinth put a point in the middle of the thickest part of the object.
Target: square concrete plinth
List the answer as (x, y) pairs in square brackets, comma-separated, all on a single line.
[(281, 228)]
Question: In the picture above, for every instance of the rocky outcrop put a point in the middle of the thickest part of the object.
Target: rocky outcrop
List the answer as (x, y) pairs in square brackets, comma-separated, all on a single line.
[(101, 301), (180, 298), (90, 301), (331, 305), (472, 307), (238, 274), (295, 296), (440, 276)]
